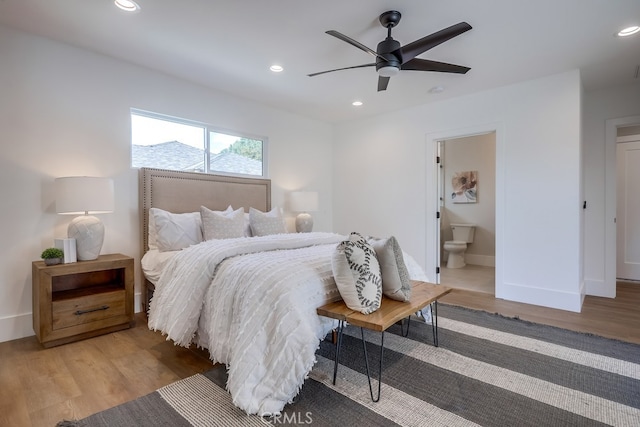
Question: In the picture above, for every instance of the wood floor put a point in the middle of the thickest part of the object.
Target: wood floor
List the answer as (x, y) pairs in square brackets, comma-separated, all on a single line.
[(39, 387), (613, 318), (617, 318)]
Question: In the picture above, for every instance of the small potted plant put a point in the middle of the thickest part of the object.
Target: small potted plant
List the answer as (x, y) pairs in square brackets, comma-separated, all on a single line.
[(52, 256)]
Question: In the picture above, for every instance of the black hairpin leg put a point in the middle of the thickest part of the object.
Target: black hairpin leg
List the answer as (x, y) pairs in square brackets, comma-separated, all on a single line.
[(434, 322), (404, 334), (338, 345), (366, 361)]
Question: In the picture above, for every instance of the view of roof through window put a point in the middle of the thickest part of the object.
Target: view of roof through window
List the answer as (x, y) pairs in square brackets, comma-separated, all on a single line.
[(168, 143)]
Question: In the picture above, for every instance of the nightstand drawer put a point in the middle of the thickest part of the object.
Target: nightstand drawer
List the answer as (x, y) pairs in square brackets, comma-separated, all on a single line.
[(86, 309)]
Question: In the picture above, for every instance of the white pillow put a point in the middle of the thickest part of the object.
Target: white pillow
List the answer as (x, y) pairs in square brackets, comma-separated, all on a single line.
[(222, 224), (263, 224), (247, 225), (395, 276), (357, 274), (174, 231), (152, 240)]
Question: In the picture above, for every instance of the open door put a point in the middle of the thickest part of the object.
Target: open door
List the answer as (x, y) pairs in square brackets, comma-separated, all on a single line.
[(628, 208), (440, 187)]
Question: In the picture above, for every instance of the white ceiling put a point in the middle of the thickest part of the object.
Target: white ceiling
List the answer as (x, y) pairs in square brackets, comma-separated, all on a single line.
[(229, 45)]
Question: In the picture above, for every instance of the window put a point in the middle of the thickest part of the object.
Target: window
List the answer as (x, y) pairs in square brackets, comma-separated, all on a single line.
[(164, 142)]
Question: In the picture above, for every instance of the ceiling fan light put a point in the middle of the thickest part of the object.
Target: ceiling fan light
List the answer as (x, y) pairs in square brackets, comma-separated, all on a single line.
[(127, 5), (629, 31), (388, 71)]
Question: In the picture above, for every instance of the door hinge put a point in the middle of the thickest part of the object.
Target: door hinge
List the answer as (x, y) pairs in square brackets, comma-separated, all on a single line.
[(438, 159), (437, 215), (437, 270)]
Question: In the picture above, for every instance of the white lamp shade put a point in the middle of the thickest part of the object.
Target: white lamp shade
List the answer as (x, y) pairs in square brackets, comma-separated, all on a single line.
[(304, 201), (84, 194)]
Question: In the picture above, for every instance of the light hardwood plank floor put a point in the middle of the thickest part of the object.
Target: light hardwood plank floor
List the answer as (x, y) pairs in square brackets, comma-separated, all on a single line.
[(613, 318), (39, 387), (617, 318)]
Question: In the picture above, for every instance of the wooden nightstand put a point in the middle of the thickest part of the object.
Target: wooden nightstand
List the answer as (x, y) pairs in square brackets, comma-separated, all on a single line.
[(82, 299)]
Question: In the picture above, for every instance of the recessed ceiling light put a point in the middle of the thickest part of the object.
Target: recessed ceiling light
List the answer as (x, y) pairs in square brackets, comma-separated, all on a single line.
[(436, 89), (629, 31), (276, 68), (127, 5), (356, 103)]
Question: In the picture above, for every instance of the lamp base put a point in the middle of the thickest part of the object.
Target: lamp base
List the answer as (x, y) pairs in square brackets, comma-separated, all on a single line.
[(304, 223), (89, 234)]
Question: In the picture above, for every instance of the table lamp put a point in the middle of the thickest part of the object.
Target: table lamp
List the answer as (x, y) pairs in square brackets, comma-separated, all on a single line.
[(85, 195), (304, 202)]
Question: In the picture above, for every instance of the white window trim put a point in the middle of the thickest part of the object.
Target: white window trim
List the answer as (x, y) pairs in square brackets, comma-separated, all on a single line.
[(207, 130)]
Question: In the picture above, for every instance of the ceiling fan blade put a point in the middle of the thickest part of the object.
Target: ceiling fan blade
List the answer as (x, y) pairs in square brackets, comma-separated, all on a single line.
[(427, 65), (352, 42), (413, 49), (373, 64), (383, 82)]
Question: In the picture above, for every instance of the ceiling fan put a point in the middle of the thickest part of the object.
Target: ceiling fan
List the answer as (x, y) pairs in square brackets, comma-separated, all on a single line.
[(391, 57)]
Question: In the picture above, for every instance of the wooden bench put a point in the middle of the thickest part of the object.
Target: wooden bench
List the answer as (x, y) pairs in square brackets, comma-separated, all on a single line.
[(389, 313)]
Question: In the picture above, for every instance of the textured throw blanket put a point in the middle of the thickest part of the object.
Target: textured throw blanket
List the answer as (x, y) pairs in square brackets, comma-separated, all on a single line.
[(255, 312)]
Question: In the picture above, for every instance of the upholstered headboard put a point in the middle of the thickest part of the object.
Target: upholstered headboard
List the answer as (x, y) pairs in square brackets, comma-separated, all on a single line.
[(181, 192)]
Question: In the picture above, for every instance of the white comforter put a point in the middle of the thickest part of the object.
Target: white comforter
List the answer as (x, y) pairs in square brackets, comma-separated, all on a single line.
[(255, 312)]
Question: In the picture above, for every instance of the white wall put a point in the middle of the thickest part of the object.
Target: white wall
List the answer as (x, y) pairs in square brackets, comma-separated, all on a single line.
[(472, 153), (384, 182), (65, 111), (614, 104)]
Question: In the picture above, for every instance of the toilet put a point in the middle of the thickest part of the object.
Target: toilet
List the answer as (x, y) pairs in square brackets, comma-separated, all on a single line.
[(462, 234)]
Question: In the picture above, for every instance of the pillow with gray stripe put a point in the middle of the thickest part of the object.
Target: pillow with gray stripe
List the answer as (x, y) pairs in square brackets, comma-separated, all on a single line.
[(357, 274)]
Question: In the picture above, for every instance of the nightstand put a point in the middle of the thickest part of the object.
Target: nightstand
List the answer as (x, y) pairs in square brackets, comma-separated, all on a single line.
[(82, 299)]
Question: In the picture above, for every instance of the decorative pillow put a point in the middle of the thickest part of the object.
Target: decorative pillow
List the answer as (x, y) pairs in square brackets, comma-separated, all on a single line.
[(357, 274), (395, 276), (247, 225), (222, 224), (174, 231), (263, 224)]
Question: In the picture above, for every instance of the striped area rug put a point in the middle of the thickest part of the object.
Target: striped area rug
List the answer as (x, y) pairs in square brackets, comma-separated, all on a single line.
[(487, 371)]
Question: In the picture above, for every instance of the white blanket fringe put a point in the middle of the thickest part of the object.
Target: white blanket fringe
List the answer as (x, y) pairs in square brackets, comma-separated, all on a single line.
[(257, 316)]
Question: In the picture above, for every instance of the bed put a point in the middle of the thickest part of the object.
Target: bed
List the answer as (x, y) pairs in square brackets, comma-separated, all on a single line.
[(251, 301), (182, 192)]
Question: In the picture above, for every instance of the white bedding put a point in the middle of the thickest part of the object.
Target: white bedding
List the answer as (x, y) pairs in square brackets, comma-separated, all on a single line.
[(153, 263), (255, 313), (251, 302)]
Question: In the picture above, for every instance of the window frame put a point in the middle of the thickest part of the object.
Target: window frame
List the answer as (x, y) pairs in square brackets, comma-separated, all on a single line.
[(207, 129)]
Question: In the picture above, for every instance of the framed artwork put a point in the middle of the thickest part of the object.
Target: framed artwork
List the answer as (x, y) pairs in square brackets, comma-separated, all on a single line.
[(465, 187)]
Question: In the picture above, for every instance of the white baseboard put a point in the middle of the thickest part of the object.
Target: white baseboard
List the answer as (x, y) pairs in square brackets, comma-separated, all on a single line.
[(137, 302), (597, 288), (570, 301), (484, 260), (16, 327)]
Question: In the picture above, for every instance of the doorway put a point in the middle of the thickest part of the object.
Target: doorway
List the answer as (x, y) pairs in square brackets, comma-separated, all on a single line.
[(613, 126), (467, 195), (628, 204)]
